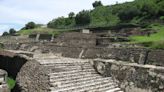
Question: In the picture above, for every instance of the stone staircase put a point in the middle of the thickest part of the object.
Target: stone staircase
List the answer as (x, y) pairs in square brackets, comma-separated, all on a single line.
[(76, 75)]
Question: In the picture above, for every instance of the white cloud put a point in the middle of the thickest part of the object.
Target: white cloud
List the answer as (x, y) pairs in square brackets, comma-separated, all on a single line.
[(19, 12)]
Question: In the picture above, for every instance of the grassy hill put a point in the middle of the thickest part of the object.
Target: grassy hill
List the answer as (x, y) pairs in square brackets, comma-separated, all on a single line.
[(140, 12), (41, 31), (155, 41)]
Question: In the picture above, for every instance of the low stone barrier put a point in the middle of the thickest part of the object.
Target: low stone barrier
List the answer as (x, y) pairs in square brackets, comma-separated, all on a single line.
[(132, 77), (156, 57)]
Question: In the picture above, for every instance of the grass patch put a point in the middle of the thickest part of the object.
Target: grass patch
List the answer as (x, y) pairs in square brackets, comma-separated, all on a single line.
[(40, 30), (55, 32), (11, 82), (155, 41)]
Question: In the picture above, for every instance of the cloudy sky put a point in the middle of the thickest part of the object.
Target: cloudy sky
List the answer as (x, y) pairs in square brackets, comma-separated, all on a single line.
[(16, 13)]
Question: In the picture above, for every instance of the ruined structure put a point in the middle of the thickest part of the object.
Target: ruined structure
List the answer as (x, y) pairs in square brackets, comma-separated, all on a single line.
[(69, 63), (3, 81)]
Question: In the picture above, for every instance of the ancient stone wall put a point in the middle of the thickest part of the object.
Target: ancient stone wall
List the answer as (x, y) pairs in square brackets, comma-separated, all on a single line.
[(133, 55), (76, 39), (32, 36), (156, 57), (132, 77), (33, 77), (11, 46), (129, 55), (11, 64), (47, 37)]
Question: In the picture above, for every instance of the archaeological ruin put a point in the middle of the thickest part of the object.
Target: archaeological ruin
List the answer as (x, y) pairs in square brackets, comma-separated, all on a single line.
[(3, 81), (81, 62)]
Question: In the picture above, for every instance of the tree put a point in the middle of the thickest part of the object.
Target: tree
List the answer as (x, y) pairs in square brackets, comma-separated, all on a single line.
[(149, 8), (102, 16), (61, 22), (71, 15), (30, 25), (83, 18), (128, 13), (97, 4), (5, 34), (161, 8), (12, 31)]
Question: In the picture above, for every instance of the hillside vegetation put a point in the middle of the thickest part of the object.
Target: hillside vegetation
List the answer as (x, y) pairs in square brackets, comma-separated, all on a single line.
[(141, 12), (38, 30), (147, 14), (155, 40)]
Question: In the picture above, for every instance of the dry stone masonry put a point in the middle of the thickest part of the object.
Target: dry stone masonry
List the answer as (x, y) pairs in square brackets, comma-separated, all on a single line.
[(3, 81), (51, 73), (67, 64)]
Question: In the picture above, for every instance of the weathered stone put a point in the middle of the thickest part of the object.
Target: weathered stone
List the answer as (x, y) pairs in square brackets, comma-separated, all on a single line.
[(156, 57), (3, 81), (133, 77), (33, 77)]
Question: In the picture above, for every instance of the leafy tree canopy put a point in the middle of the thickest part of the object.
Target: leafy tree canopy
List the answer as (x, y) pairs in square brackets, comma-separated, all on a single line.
[(5, 34), (30, 25), (83, 18), (12, 31), (97, 4)]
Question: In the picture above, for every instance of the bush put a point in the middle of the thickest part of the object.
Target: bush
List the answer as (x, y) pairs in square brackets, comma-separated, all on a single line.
[(5, 34), (30, 25), (11, 82), (162, 18), (12, 31)]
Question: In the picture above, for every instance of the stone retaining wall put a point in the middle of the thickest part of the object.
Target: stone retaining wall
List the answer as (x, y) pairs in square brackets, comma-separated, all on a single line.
[(156, 57), (133, 55), (11, 46), (76, 39), (132, 77), (33, 77), (11, 64)]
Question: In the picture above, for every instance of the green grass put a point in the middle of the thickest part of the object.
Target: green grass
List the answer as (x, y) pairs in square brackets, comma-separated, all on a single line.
[(11, 82), (155, 40), (42, 30)]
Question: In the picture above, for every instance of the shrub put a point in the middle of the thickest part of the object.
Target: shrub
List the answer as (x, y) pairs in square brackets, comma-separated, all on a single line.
[(158, 45), (11, 82)]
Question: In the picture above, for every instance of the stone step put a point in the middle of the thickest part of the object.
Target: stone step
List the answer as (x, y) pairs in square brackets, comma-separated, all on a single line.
[(80, 73), (68, 64), (62, 82), (114, 90), (81, 79), (97, 88), (84, 82), (68, 79), (44, 61), (73, 71), (82, 85), (71, 68)]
